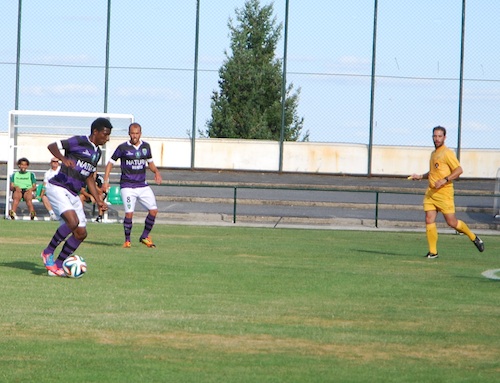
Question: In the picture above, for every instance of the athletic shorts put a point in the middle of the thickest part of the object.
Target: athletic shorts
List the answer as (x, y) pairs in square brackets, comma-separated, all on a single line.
[(22, 193), (63, 200), (439, 200), (144, 195)]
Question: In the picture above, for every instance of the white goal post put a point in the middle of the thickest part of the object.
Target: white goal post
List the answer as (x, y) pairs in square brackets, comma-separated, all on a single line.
[(496, 200), (30, 132)]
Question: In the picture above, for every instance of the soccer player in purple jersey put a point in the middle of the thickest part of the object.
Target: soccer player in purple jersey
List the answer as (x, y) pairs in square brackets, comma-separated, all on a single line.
[(78, 164), (135, 157)]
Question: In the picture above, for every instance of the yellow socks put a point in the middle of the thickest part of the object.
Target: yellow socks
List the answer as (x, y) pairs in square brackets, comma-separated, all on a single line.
[(432, 234), (463, 228), (432, 237)]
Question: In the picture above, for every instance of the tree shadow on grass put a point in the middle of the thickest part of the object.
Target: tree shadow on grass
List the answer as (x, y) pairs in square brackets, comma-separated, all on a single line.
[(97, 243), (380, 252), (35, 268)]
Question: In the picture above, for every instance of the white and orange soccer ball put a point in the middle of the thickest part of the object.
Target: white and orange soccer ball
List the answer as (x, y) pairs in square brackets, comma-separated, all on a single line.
[(74, 266)]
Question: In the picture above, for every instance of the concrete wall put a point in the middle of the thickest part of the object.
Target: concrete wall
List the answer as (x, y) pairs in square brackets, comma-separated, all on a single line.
[(257, 155)]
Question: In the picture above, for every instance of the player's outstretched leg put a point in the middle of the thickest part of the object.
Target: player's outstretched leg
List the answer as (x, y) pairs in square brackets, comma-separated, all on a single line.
[(463, 228)]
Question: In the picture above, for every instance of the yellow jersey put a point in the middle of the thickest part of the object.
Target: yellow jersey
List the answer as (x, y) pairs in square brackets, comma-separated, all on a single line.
[(443, 161)]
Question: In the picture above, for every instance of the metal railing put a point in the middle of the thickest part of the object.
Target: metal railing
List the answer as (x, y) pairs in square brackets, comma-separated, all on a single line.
[(484, 208), (477, 203)]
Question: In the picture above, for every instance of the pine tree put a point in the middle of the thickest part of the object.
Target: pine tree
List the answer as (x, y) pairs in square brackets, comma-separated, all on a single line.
[(248, 102)]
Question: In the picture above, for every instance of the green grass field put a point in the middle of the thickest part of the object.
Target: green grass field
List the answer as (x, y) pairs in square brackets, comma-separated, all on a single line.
[(235, 304)]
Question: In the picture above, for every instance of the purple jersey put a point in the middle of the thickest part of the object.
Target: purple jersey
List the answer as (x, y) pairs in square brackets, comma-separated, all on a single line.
[(86, 156), (134, 160)]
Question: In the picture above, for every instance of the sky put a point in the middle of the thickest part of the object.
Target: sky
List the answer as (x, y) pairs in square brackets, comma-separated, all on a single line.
[(329, 57)]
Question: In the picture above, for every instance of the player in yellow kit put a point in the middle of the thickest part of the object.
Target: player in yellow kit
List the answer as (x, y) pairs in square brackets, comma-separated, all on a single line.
[(440, 194)]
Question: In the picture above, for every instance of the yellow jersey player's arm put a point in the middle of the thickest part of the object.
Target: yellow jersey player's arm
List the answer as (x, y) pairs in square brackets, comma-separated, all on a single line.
[(452, 171), (418, 177)]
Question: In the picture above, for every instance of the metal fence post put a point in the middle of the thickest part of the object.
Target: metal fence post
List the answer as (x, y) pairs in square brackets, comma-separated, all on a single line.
[(234, 205)]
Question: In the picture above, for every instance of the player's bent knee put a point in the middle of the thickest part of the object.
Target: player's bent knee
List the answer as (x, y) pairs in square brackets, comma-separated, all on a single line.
[(80, 233), (452, 224)]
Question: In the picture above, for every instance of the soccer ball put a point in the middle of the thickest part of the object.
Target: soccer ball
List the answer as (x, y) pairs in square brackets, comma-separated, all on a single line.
[(74, 266)]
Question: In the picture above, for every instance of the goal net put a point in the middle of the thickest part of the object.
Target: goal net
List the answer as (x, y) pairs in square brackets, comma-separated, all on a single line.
[(30, 132)]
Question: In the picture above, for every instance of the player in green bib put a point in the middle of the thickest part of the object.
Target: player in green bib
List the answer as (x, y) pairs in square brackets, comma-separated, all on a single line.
[(22, 185)]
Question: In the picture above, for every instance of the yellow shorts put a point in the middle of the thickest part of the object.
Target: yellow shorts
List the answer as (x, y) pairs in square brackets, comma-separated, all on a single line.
[(440, 200)]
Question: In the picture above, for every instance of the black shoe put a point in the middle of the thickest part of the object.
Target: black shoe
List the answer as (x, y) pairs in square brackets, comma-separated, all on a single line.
[(99, 219), (431, 255), (479, 244)]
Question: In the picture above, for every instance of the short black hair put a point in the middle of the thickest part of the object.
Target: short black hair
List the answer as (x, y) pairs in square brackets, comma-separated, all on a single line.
[(23, 159), (439, 127), (99, 124), (135, 124)]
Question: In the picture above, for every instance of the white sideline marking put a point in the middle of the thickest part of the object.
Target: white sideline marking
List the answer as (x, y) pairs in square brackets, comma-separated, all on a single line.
[(492, 274)]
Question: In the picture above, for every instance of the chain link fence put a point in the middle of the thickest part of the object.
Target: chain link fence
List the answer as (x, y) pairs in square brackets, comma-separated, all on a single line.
[(60, 57)]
